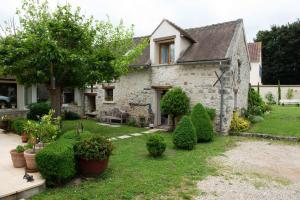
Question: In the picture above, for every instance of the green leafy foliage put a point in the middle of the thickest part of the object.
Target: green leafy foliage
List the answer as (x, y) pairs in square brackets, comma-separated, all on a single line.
[(62, 48), (20, 149), (256, 105), (184, 136), (290, 93), (175, 103), (69, 115), (211, 113), (37, 110), (156, 145), (73, 135), (131, 121), (94, 148), (17, 125), (238, 123), (202, 123), (280, 47), (270, 98), (56, 162), (255, 119)]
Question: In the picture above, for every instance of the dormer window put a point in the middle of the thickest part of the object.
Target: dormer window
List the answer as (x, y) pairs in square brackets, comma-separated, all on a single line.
[(166, 53)]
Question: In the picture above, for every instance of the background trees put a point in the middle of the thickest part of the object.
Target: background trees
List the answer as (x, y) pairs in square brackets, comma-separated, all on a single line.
[(63, 48), (280, 53)]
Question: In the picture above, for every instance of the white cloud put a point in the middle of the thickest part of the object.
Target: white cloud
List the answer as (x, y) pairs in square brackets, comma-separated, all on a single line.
[(147, 14)]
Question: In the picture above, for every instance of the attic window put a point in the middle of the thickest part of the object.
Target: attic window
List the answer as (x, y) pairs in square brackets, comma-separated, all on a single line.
[(166, 53)]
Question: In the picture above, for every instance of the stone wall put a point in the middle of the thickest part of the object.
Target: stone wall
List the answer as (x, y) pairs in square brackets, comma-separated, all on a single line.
[(273, 89)]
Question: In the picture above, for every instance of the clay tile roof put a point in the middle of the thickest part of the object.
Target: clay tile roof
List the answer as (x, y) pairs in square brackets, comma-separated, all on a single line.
[(144, 59), (209, 43), (255, 51)]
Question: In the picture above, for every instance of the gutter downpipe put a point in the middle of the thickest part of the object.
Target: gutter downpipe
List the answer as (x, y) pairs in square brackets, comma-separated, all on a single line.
[(222, 99)]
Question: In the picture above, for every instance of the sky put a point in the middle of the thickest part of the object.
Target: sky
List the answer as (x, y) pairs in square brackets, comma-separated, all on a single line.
[(145, 15)]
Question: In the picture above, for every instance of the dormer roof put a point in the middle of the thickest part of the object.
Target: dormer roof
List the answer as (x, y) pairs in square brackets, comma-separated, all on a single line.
[(209, 43)]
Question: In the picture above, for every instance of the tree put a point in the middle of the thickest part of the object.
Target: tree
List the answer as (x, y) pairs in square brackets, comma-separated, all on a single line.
[(202, 123), (280, 54), (63, 48), (175, 103)]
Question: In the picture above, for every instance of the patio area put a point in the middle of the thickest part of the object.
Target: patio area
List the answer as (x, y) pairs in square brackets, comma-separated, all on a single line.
[(12, 184)]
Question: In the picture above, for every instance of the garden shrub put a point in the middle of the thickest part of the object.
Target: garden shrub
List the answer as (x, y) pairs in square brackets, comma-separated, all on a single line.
[(175, 103), (290, 93), (93, 148), (17, 125), (256, 106), (238, 124), (56, 162), (156, 145), (37, 110), (131, 121), (202, 123), (184, 136), (211, 113), (69, 115), (270, 98)]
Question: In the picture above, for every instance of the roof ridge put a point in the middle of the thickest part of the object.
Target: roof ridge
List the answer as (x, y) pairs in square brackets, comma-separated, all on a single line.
[(217, 24)]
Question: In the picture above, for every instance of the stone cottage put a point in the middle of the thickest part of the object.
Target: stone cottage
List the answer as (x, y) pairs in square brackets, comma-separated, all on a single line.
[(211, 64)]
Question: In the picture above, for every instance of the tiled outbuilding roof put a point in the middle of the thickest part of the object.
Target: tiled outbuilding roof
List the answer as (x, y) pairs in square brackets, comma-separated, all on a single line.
[(254, 51)]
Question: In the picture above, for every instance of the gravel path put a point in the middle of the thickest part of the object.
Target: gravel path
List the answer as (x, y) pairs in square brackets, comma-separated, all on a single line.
[(255, 170)]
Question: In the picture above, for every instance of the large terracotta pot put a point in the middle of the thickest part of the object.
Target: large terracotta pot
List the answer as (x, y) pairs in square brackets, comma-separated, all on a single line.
[(92, 168), (30, 160), (18, 159)]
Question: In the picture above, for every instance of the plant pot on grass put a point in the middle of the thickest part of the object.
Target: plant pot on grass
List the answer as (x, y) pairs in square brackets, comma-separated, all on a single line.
[(17, 157), (93, 155)]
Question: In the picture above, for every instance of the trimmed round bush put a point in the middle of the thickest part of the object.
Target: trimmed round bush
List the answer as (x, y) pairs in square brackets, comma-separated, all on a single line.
[(56, 162), (156, 145), (184, 136), (175, 103), (202, 123), (37, 110), (17, 125)]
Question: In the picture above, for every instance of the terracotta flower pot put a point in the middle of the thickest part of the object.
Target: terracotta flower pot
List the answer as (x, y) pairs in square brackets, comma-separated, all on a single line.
[(24, 137), (30, 160), (92, 168), (18, 159)]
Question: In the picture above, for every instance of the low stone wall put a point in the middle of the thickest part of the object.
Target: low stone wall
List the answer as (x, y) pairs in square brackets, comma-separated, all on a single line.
[(72, 108), (14, 112), (265, 89), (268, 136)]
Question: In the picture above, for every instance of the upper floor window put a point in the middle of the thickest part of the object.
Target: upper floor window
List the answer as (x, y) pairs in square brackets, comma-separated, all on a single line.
[(166, 53)]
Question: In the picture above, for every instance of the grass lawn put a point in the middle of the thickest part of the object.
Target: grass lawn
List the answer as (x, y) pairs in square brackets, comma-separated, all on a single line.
[(283, 120), (132, 174), (93, 127)]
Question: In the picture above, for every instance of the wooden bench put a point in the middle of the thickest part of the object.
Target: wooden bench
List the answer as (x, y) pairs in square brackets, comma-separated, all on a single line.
[(289, 102), (113, 116)]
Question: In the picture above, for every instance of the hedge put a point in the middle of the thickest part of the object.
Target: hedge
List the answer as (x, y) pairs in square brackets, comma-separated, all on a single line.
[(56, 162), (202, 123), (37, 110), (184, 136), (17, 125)]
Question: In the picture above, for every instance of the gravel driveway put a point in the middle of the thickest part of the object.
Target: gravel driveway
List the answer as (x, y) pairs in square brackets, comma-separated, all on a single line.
[(255, 170)]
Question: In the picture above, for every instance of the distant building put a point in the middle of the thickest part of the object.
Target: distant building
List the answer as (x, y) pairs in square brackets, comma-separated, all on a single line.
[(256, 62)]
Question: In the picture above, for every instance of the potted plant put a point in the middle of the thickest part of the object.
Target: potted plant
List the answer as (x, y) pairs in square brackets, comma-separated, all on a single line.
[(32, 128), (24, 137), (93, 155), (17, 157)]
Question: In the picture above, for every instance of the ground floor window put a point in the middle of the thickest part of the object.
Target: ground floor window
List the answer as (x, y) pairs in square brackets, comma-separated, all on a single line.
[(8, 95), (68, 95), (109, 94)]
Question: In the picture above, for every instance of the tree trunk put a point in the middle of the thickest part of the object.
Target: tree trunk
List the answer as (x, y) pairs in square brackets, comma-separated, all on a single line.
[(55, 98)]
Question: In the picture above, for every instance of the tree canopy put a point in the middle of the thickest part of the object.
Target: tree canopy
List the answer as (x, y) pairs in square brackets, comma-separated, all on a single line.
[(63, 48), (280, 54)]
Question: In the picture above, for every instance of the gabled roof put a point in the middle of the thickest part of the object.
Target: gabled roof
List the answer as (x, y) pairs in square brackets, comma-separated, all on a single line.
[(255, 51), (211, 43)]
